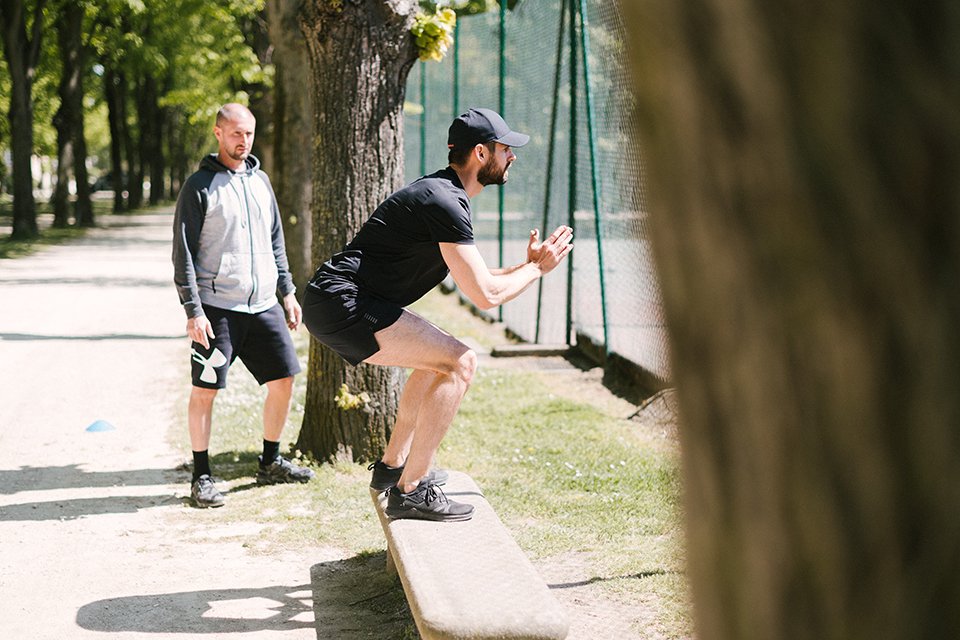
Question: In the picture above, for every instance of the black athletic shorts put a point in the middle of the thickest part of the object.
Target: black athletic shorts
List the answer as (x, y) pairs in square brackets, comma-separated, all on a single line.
[(346, 320), (261, 341)]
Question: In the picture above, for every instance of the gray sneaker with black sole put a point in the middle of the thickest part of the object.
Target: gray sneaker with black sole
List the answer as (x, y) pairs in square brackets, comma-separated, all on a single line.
[(204, 493), (426, 502), (282, 471)]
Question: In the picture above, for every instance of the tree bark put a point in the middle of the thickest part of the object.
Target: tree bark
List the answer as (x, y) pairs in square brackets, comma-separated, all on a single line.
[(144, 103), (360, 54), (115, 111), (803, 163), (22, 54), (134, 195), (61, 190), (292, 116), (71, 142), (156, 159)]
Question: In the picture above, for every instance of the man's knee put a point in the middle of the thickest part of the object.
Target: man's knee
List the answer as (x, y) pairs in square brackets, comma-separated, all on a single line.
[(202, 395), (283, 386), (466, 366)]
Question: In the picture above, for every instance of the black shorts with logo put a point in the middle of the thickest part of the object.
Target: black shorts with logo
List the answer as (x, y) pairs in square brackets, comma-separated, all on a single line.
[(346, 319), (261, 340)]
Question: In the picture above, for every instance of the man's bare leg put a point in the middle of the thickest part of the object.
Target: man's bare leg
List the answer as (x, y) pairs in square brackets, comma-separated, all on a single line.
[(199, 417), (449, 366), (411, 398), (276, 407)]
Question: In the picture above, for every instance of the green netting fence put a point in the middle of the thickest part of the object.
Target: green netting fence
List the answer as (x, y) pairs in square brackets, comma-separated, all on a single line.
[(556, 70)]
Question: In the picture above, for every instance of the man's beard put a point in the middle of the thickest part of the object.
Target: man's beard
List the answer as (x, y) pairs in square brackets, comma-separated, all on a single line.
[(238, 155), (490, 174)]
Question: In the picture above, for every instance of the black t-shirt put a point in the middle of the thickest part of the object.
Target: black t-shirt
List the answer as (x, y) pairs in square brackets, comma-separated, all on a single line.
[(395, 255)]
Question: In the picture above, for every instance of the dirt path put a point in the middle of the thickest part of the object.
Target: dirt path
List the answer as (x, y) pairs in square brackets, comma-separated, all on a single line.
[(94, 537)]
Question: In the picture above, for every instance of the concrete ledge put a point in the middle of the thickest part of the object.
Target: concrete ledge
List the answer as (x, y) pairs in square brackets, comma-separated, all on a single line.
[(524, 349), (469, 580)]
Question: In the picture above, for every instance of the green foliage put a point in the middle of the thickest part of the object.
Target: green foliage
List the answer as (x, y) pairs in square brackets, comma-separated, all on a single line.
[(433, 33), (347, 401)]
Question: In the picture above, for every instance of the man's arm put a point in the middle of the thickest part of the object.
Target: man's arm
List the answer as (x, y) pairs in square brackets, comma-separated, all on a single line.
[(291, 305), (188, 220), (284, 277), (488, 288)]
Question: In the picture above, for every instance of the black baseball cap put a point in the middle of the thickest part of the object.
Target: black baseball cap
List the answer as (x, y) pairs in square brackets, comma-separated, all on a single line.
[(478, 126)]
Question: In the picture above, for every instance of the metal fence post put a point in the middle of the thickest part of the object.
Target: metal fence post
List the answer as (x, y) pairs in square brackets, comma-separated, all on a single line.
[(594, 177), (423, 119), (456, 69), (502, 106), (572, 177), (550, 150)]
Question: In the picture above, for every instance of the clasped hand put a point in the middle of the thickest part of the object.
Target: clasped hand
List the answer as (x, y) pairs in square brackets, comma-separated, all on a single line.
[(551, 252)]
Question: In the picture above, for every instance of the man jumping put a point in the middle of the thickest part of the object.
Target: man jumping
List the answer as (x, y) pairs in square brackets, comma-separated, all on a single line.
[(355, 302)]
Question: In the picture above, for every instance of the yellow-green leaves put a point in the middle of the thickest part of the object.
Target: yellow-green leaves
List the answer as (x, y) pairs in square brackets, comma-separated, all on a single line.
[(434, 33), (347, 401)]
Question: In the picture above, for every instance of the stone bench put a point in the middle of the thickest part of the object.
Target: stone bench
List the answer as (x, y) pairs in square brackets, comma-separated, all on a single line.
[(469, 580)]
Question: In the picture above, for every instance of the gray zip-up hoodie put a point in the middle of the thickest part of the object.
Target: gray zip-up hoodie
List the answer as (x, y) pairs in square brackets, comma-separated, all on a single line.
[(228, 249)]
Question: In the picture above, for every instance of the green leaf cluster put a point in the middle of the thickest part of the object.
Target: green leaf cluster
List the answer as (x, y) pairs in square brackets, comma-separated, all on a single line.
[(433, 32), (347, 401)]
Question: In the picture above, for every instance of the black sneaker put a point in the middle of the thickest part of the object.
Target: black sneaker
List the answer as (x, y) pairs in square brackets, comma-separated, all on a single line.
[(426, 502), (281, 471), (385, 477), (204, 493)]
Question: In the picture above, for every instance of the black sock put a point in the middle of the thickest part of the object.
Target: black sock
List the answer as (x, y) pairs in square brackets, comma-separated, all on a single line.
[(201, 464), (270, 452)]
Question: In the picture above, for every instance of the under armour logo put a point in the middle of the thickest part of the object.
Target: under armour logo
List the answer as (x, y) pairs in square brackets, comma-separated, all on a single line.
[(216, 359)]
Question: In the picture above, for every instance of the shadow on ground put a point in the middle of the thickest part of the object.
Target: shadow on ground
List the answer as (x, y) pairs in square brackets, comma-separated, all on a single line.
[(346, 600), (72, 476)]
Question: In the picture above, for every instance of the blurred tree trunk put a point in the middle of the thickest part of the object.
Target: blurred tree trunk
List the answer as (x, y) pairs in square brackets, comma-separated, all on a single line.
[(115, 114), (292, 119), (360, 55), (150, 148), (21, 53), (129, 146), (60, 200), (71, 142), (157, 161), (804, 163), (176, 122)]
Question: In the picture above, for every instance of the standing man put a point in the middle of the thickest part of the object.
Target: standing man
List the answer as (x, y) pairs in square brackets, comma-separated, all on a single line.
[(355, 302), (229, 262)]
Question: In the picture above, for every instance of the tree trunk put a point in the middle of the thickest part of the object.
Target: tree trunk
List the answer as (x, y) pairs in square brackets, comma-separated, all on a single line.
[(134, 170), (175, 149), (144, 142), (148, 142), (21, 54), (156, 158), (360, 55), (71, 144), (114, 111), (61, 190), (804, 165), (292, 115)]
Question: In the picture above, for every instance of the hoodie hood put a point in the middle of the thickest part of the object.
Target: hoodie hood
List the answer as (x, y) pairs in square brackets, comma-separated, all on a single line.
[(212, 163)]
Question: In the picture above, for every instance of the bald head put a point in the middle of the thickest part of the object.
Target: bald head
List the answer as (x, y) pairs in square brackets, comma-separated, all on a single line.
[(233, 111)]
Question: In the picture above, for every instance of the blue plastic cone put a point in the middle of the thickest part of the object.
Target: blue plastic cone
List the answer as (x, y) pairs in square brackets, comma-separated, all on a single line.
[(101, 425)]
